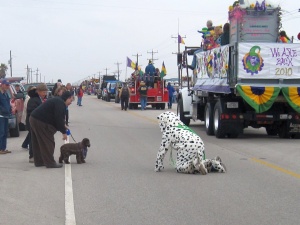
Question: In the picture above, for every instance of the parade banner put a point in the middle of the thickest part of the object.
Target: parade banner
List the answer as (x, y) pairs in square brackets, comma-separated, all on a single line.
[(213, 63), (269, 61)]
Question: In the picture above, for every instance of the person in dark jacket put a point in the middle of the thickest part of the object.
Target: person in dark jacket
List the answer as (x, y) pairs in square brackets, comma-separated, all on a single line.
[(143, 89), (150, 73), (124, 95), (225, 35), (45, 121), (37, 96), (171, 91), (5, 113)]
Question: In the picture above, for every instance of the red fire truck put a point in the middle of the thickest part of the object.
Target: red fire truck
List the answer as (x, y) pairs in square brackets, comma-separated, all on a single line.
[(157, 97)]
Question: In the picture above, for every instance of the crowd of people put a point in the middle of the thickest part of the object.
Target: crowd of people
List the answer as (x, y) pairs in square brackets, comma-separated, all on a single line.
[(42, 116)]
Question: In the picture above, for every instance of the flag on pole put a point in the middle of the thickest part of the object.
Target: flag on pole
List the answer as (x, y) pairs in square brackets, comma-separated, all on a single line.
[(130, 63), (163, 70), (180, 39)]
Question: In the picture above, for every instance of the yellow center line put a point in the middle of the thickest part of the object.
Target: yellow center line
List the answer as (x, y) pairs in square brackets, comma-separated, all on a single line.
[(270, 165)]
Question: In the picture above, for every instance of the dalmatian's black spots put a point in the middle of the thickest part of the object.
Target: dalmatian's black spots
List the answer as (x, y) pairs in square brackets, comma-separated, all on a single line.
[(190, 148)]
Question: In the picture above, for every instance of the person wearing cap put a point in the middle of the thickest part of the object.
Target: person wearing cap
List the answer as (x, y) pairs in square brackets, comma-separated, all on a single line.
[(45, 121), (150, 73), (143, 89), (37, 97), (5, 113)]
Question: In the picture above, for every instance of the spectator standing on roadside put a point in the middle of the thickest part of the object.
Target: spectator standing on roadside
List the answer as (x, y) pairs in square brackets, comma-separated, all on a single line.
[(59, 91), (37, 97), (70, 89), (45, 121), (79, 95), (143, 89), (56, 85), (171, 91), (124, 96), (5, 113), (25, 143)]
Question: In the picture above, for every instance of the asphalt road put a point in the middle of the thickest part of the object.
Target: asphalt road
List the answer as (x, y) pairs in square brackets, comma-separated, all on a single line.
[(118, 184)]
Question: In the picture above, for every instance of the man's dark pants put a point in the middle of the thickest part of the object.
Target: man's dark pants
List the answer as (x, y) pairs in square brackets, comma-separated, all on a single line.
[(43, 143)]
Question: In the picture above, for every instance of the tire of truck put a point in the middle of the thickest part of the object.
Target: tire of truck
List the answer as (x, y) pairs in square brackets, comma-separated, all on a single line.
[(163, 106), (180, 113), (218, 129), (272, 131), (130, 105), (157, 106), (98, 96), (209, 118), (108, 98), (283, 131), (14, 132)]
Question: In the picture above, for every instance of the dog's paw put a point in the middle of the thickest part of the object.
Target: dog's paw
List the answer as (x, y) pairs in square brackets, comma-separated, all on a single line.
[(158, 168)]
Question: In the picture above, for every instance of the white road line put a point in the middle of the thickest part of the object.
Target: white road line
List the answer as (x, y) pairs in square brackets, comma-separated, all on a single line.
[(69, 201)]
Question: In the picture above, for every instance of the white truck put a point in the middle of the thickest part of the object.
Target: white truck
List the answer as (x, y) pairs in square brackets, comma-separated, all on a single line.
[(254, 81)]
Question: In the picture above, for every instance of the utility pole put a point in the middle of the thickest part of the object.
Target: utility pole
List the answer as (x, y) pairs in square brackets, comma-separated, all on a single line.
[(10, 63), (41, 77), (37, 75), (27, 73), (137, 60), (117, 63), (152, 54), (31, 75), (99, 76), (106, 71), (179, 59)]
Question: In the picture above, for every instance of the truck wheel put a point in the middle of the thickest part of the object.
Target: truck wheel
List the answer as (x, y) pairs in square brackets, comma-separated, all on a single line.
[(108, 98), (186, 121), (271, 131), (209, 121), (283, 131), (14, 132), (157, 106), (98, 96), (163, 105), (130, 105), (135, 106), (218, 129)]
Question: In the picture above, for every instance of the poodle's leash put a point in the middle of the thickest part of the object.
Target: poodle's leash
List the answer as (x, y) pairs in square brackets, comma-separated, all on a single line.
[(69, 133)]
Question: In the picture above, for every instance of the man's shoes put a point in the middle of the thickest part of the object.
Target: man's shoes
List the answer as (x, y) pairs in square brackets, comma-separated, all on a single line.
[(55, 166), (31, 160), (2, 152), (39, 164), (7, 151)]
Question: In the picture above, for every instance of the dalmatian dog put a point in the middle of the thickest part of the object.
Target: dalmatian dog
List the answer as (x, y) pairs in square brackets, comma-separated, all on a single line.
[(189, 146)]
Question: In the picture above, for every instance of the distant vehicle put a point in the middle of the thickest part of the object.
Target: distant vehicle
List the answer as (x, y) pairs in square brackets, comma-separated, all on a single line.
[(109, 92), (103, 84), (157, 97)]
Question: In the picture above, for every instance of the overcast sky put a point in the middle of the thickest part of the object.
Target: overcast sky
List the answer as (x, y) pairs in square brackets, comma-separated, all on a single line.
[(75, 39)]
